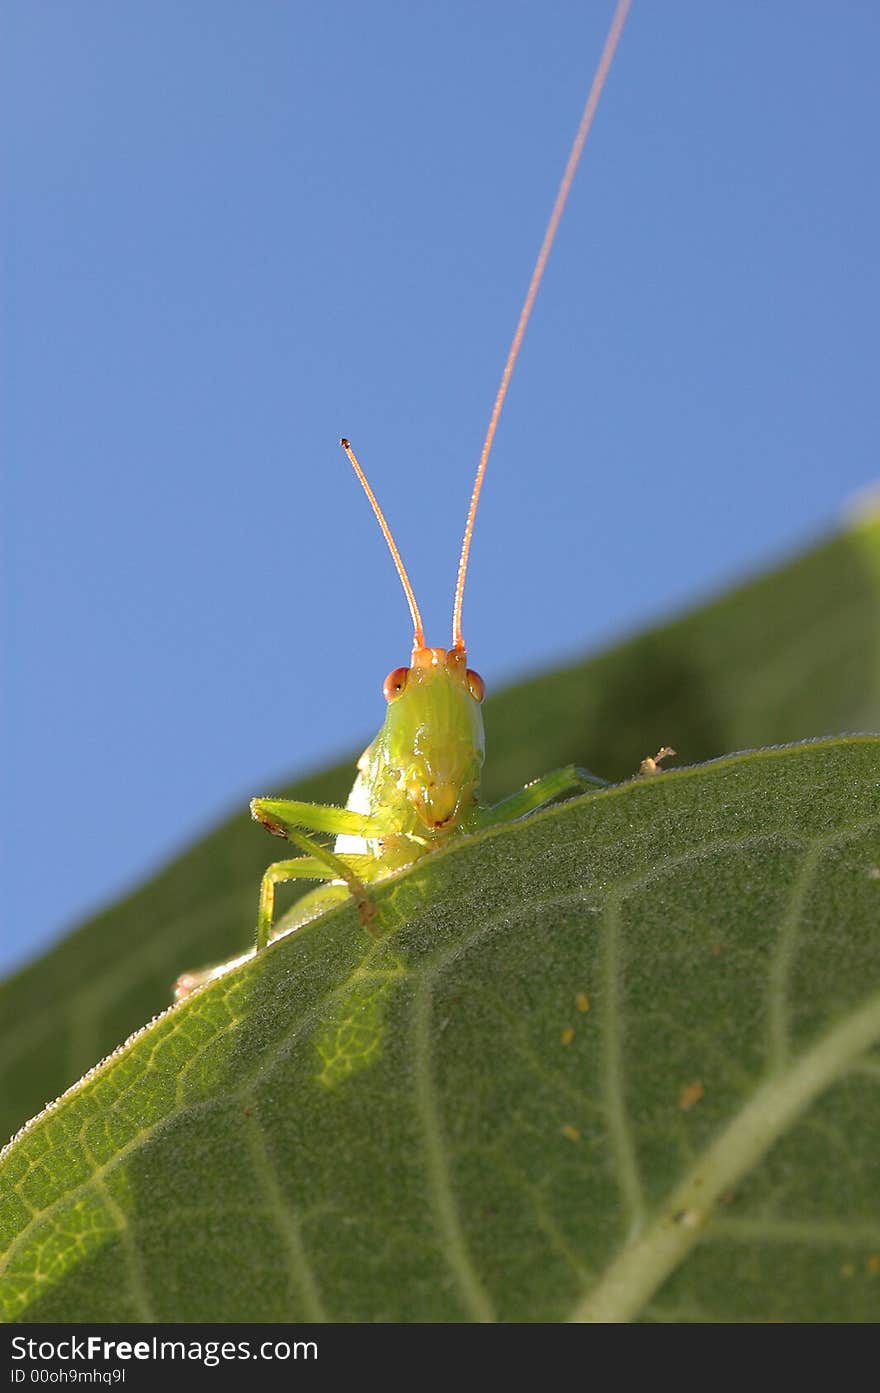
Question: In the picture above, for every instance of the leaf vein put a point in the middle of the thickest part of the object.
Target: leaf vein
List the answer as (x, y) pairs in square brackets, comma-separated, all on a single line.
[(439, 1180), (299, 1269), (641, 1266), (613, 1074)]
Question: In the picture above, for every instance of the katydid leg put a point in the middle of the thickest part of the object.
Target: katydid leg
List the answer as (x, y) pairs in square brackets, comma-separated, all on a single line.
[(317, 864), (305, 867), (282, 815), (536, 794)]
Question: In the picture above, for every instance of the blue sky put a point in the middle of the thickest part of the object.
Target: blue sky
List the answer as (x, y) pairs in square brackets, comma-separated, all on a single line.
[(237, 231)]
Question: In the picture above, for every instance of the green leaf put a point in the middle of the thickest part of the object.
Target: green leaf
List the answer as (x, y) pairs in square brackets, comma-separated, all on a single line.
[(793, 654), (618, 1060)]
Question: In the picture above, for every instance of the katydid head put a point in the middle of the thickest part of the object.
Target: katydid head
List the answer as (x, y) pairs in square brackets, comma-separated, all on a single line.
[(432, 739)]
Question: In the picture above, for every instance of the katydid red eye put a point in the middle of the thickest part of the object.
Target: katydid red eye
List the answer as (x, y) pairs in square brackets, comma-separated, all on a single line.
[(395, 683), (476, 685)]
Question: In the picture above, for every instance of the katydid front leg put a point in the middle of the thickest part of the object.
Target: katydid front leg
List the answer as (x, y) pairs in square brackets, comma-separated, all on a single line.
[(284, 817), (281, 816)]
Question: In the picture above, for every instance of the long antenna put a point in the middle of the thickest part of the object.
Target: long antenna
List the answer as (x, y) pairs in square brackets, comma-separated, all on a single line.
[(583, 130), (418, 630)]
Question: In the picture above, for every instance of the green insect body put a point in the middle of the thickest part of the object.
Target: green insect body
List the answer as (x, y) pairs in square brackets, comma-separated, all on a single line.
[(418, 787)]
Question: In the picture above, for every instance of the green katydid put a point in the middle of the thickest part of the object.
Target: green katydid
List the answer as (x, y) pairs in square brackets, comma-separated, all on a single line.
[(418, 782)]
